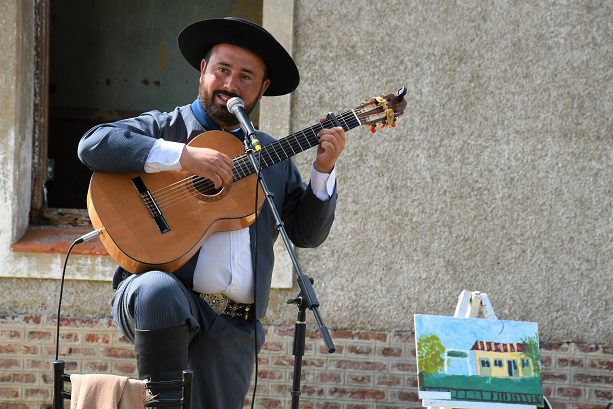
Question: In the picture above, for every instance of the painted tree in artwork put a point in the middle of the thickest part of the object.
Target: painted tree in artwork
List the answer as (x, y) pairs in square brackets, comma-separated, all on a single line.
[(533, 352), (430, 354)]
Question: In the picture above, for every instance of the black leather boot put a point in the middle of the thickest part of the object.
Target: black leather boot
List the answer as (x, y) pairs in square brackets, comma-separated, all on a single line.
[(161, 355)]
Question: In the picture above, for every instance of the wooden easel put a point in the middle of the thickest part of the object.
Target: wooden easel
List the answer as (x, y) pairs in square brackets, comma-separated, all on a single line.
[(473, 304)]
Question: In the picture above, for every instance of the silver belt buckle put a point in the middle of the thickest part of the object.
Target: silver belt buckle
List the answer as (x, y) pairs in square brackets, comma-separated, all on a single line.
[(217, 302)]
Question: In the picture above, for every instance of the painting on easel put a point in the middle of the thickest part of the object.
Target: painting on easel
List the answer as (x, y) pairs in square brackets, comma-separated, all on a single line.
[(483, 363)]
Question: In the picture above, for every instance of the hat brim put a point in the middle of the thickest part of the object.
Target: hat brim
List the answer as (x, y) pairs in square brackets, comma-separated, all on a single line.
[(198, 38)]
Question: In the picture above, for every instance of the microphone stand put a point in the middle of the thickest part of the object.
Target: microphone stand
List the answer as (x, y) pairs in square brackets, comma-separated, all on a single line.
[(306, 298)]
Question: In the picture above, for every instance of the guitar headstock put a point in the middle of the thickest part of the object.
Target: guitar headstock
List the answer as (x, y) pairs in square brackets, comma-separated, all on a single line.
[(382, 110)]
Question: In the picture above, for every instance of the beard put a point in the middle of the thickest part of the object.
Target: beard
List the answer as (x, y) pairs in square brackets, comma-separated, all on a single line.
[(219, 113)]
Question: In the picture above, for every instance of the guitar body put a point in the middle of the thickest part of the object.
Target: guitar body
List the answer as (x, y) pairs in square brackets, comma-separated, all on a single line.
[(137, 241)]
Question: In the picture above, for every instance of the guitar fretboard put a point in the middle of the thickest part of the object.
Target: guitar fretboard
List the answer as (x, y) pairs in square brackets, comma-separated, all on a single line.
[(291, 145)]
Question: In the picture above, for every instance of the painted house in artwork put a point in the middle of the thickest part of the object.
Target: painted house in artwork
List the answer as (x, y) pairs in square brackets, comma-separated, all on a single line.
[(499, 359)]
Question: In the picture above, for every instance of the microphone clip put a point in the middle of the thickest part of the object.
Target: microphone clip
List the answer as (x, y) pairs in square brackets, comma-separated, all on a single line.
[(255, 144)]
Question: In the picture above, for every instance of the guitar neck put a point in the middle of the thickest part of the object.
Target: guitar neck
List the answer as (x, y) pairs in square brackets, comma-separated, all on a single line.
[(291, 145)]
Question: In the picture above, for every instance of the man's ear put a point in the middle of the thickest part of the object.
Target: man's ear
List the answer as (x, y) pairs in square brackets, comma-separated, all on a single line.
[(265, 85), (202, 68)]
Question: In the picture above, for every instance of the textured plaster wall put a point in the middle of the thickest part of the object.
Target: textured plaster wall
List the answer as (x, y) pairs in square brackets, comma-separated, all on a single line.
[(16, 56), (499, 177)]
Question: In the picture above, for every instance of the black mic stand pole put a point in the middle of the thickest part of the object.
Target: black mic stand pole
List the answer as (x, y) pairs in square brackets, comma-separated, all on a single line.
[(306, 298)]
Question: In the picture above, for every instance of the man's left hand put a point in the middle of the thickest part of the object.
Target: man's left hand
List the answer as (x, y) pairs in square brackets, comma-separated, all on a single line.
[(331, 144)]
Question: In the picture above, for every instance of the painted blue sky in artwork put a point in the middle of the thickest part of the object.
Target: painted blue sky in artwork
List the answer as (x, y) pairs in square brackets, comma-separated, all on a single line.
[(461, 333)]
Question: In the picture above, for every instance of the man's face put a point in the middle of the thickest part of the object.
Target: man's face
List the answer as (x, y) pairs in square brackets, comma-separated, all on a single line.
[(231, 71)]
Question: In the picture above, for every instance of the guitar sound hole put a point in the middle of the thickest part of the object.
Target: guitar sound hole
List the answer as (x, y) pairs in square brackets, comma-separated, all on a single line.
[(204, 189)]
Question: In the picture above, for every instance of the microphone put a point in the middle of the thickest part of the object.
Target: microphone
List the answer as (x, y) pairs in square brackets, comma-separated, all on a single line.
[(237, 107)]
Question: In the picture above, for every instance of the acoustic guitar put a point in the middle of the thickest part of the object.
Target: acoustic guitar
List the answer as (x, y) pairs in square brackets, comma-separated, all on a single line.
[(159, 220)]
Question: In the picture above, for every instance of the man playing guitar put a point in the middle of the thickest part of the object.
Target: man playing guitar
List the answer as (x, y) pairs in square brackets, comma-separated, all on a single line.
[(202, 311)]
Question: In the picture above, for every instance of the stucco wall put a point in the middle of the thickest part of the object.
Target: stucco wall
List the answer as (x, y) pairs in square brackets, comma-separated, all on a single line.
[(497, 179), (16, 74)]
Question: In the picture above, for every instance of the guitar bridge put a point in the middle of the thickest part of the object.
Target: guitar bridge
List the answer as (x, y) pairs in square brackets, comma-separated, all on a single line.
[(151, 205)]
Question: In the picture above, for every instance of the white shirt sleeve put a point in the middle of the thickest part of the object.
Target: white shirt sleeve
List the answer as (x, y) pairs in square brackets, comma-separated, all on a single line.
[(164, 155), (323, 184)]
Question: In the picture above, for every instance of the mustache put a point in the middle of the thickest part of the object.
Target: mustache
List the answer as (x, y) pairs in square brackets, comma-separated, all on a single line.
[(227, 93)]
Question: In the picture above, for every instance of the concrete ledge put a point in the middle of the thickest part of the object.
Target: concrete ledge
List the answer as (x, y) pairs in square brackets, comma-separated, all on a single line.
[(52, 239)]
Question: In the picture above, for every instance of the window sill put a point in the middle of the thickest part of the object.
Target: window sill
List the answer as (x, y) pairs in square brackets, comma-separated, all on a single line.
[(54, 239), (38, 247)]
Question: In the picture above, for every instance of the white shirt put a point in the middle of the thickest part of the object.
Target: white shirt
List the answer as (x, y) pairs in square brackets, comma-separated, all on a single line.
[(224, 264)]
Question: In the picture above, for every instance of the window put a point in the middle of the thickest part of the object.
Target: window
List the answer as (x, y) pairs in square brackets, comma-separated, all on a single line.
[(498, 363), (456, 354), (485, 363)]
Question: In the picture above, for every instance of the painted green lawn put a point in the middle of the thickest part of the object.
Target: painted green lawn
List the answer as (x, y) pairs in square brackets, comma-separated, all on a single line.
[(529, 385)]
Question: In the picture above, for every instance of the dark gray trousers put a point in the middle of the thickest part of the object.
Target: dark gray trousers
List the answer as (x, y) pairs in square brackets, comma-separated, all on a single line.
[(221, 348)]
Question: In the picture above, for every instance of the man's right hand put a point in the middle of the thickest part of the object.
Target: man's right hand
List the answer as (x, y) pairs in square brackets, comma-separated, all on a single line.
[(208, 163)]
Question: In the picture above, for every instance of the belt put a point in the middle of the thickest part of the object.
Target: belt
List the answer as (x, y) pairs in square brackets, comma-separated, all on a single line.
[(223, 305)]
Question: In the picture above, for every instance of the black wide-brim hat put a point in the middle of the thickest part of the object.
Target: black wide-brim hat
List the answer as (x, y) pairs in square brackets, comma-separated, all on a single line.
[(198, 38)]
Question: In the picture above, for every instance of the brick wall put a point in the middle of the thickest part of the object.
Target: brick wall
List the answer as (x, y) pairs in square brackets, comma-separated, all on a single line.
[(369, 370)]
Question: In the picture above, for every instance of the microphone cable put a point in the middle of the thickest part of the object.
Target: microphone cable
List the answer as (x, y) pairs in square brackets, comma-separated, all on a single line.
[(80, 240)]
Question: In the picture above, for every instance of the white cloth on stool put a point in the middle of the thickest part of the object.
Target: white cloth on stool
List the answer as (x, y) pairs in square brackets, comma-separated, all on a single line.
[(102, 391)]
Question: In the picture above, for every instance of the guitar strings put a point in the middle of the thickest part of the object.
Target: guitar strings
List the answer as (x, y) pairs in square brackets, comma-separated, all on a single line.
[(281, 154), (240, 169), (203, 184), (240, 164), (177, 192)]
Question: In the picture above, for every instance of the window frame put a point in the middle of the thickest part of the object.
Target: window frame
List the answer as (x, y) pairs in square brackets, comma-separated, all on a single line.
[(40, 214)]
